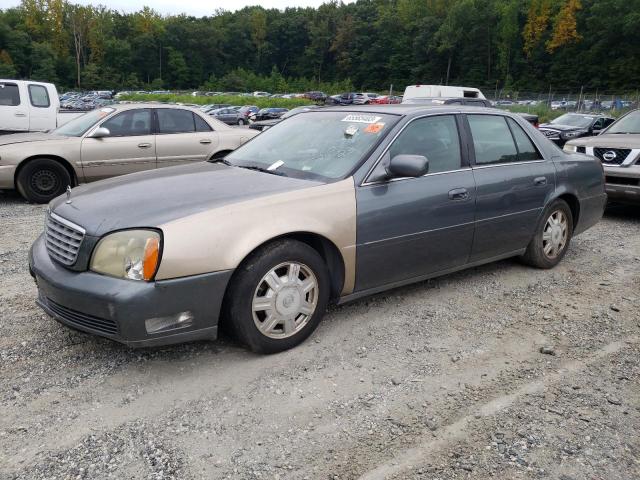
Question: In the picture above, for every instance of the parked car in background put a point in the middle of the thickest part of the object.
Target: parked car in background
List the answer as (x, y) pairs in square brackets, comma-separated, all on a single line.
[(574, 125), (386, 100), (436, 91), (364, 98), (342, 99), (618, 148), (248, 112), (27, 106), (316, 96), (159, 257), (261, 94), (213, 106), (265, 124), (270, 113), (112, 141), (230, 116)]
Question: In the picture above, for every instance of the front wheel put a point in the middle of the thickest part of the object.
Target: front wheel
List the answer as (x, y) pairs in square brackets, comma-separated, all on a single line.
[(553, 235), (240, 121), (278, 296), (43, 179)]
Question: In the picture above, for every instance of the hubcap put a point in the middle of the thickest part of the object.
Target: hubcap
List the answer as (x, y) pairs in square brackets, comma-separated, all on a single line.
[(555, 234), (44, 181), (285, 300)]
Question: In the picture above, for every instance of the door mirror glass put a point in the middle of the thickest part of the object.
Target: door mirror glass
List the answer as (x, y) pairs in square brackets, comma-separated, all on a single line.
[(101, 132), (408, 166)]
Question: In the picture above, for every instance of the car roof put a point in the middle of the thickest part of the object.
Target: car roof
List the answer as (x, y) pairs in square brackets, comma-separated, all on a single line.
[(131, 106), (414, 109)]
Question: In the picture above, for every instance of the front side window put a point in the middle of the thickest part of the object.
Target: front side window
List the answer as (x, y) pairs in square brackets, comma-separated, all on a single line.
[(175, 120), (39, 96), (9, 95), (130, 123), (433, 137), (492, 139)]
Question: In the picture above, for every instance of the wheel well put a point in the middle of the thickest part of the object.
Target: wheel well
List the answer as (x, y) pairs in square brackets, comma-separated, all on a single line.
[(574, 205), (60, 160)]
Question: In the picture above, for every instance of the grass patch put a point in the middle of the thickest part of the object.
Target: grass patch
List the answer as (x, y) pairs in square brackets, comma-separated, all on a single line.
[(261, 102)]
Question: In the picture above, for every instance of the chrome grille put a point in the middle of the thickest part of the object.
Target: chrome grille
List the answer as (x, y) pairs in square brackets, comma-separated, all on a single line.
[(612, 156), (63, 239)]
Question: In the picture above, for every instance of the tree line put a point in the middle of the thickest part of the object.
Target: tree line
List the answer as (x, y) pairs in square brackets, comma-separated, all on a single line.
[(367, 45)]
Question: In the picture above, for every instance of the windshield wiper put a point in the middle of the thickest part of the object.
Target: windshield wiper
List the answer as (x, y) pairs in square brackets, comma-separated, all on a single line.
[(258, 168), (222, 160)]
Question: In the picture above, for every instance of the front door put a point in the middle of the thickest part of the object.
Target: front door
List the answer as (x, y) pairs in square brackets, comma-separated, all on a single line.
[(513, 183), (412, 227), (183, 137), (130, 146)]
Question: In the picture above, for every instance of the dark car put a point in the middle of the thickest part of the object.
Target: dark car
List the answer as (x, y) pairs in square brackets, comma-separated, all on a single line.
[(265, 124), (574, 125), (229, 115), (328, 206), (270, 113), (316, 96)]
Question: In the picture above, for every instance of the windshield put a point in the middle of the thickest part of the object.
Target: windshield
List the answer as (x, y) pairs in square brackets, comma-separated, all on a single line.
[(316, 145), (573, 120), (78, 126), (630, 123)]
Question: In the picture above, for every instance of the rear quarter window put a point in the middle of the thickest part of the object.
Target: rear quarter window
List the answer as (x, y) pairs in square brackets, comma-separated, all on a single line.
[(39, 96)]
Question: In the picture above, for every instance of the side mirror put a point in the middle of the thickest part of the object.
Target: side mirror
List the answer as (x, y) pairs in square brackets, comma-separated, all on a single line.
[(408, 166), (101, 132)]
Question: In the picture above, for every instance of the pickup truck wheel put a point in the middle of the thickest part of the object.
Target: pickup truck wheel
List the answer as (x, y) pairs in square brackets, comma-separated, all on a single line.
[(278, 296), (553, 235), (42, 180)]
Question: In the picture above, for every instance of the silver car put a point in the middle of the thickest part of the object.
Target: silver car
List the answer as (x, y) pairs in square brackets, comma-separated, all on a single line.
[(112, 141)]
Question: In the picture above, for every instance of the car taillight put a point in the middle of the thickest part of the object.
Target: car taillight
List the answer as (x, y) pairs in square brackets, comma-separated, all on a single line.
[(536, 124)]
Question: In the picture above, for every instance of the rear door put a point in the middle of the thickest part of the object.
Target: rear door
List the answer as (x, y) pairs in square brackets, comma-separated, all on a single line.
[(513, 182), (412, 227), (183, 137), (14, 107), (130, 146)]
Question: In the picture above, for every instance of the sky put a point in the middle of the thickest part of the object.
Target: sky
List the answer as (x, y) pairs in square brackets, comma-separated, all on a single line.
[(198, 8)]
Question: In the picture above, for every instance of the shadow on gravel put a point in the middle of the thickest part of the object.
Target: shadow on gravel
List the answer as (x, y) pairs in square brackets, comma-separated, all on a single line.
[(620, 211)]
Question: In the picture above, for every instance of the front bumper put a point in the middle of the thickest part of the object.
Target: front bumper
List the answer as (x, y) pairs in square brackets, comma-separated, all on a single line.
[(117, 308), (623, 183)]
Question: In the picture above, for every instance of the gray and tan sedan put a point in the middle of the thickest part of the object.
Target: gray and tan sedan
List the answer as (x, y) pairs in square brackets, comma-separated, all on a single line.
[(111, 141), (330, 205)]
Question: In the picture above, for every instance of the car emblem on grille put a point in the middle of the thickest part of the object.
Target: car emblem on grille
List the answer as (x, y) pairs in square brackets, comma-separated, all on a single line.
[(68, 194), (609, 156)]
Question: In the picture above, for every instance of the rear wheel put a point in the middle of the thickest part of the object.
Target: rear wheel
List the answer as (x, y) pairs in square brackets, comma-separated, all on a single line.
[(240, 121), (43, 179), (553, 235), (278, 296)]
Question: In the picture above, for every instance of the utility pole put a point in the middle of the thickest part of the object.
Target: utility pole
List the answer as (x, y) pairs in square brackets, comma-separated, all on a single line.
[(160, 58)]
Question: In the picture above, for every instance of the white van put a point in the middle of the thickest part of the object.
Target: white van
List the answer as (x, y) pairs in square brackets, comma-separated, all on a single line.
[(27, 106), (436, 91)]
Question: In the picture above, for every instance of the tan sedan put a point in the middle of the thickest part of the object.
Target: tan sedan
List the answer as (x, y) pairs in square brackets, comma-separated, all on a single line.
[(112, 141)]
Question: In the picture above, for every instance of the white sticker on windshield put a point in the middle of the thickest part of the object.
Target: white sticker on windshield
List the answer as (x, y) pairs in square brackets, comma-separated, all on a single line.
[(360, 118), (275, 165), (351, 131)]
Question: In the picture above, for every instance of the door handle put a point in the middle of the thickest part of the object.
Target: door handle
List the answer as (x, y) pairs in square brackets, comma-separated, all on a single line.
[(458, 194), (144, 145), (205, 141), (539, 181), (20, 114)]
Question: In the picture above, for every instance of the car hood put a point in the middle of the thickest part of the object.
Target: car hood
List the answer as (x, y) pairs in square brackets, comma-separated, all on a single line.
[(28, 137), (631, 140), (155, 197), (562, 128)]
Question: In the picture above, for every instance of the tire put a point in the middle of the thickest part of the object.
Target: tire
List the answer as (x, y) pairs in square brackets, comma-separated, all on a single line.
[(240, 121), (550, 243), (287, 311), (43, 179)]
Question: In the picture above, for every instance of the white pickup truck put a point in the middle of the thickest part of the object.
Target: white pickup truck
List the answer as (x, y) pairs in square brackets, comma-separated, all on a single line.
[(27, 106)]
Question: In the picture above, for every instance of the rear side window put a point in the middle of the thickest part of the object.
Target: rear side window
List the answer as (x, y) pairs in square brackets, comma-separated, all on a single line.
[(9, 94), (174, 120), (201, 125), (492, 139), (130, 123), (434, 137), (526, 149), (39, 96)]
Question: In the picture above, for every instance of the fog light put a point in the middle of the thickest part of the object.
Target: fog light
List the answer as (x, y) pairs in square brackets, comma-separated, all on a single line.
[(161, 324)]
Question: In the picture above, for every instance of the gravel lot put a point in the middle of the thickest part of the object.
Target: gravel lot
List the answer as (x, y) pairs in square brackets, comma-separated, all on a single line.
[(441, 380)]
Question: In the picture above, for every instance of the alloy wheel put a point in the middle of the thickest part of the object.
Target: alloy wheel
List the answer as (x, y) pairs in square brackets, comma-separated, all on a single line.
[(555, 234)]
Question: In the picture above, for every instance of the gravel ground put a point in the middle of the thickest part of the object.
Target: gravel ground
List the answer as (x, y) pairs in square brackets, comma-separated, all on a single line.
[(499, 372)]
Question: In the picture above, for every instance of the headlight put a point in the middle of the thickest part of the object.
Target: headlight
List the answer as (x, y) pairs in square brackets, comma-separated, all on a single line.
[(569, 148), (130, 254), (572, 134)]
